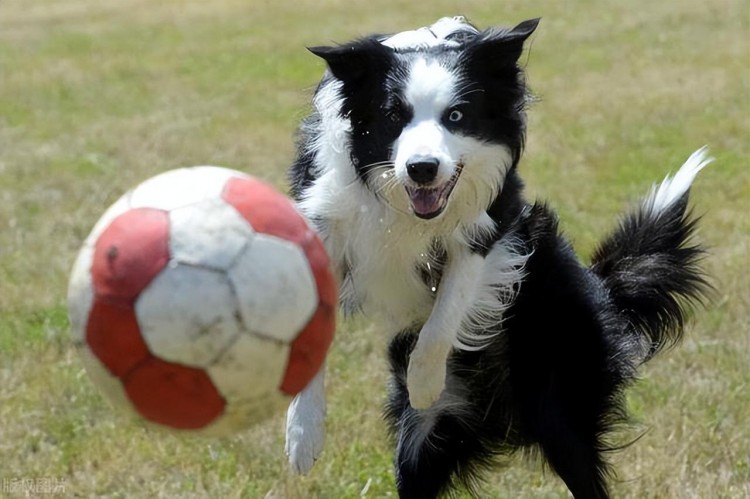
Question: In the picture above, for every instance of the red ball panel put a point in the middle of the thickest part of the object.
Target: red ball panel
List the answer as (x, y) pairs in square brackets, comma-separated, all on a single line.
[(113, 335), (266, 209), (129, 253), (309, 350), (173, 395)]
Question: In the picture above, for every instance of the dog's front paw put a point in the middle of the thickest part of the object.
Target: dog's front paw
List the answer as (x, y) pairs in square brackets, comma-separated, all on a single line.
[(303, 446), (425, 377), (305, 427)]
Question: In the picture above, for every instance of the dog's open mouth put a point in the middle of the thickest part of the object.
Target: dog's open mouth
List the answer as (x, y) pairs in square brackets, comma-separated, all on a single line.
[(429, 202)]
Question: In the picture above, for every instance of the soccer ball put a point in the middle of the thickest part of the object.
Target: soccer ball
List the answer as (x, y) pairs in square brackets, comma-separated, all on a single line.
[(202, 301)]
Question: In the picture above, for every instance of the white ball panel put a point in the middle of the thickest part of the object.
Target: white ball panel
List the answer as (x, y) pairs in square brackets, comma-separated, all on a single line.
[(80, 293), (250, 368), (275, 288), (210, 233), (111, 386), (180, 187), (187, 315), (242, 414)]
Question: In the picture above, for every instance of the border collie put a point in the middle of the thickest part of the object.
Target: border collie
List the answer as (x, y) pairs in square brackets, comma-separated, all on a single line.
[(502, 339)]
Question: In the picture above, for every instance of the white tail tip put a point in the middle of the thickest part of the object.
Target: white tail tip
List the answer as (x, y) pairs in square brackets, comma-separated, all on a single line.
[(672, 189)]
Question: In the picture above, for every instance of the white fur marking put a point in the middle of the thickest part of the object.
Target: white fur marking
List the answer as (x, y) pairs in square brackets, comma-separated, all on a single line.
[(673, 188), (430, 36), (430, 90), (498, 285)]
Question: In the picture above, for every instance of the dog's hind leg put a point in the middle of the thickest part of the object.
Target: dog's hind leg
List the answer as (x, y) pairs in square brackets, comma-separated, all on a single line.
[(573, 455), (430, 452)]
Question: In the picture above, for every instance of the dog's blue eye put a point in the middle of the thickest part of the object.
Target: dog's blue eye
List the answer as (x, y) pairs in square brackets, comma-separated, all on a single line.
[(455, 116)]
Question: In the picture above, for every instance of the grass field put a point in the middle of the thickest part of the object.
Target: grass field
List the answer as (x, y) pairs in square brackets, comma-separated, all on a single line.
[(97, 96)]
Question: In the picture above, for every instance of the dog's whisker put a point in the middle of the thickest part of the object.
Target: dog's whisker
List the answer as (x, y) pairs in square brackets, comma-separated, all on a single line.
[(384, 166), (378, 165), (383, 191), (460, 96), (466, 90), (382, 176)]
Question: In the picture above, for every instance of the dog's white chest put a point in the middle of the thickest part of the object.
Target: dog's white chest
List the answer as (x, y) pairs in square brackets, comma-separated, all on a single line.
[(382, 276), (376, 251)]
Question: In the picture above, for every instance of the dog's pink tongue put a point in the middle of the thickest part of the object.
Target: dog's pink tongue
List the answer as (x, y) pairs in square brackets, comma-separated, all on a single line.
[(425, 201)]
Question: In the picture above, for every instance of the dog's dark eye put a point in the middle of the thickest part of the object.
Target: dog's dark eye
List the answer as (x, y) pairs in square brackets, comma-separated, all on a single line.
[(396, 111), (394, 115), (455, 116)]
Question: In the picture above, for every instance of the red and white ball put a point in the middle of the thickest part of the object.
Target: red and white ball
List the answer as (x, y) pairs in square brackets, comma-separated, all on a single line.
[(202, 301)]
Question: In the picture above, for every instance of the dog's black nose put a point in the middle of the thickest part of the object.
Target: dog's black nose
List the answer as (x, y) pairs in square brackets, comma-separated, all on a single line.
[(422, 169)]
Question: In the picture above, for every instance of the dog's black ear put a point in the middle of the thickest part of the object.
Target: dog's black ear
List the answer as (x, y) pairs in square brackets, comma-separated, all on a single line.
[(353, 61), (500, 48), (524, 29)]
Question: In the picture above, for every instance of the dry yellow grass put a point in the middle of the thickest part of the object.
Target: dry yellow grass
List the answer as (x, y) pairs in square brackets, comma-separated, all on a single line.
[(96, 96)]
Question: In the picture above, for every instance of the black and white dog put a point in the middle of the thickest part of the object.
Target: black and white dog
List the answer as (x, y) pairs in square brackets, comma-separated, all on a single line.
[(408, 167)]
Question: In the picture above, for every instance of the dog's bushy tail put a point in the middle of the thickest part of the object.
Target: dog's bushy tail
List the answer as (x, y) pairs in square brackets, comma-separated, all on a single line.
[(650, 265)]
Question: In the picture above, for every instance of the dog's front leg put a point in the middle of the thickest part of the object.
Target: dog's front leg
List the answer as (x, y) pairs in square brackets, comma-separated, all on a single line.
[(305, 425), (425, 378)]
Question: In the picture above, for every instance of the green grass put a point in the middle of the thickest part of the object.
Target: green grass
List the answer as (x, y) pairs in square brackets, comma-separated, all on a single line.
[(97, 96)]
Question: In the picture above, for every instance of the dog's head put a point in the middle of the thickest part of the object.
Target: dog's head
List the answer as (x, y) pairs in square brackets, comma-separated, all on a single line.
[(434, 117)]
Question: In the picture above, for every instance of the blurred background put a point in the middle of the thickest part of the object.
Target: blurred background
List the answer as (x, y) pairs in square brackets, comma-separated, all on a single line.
[(97, 96)]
